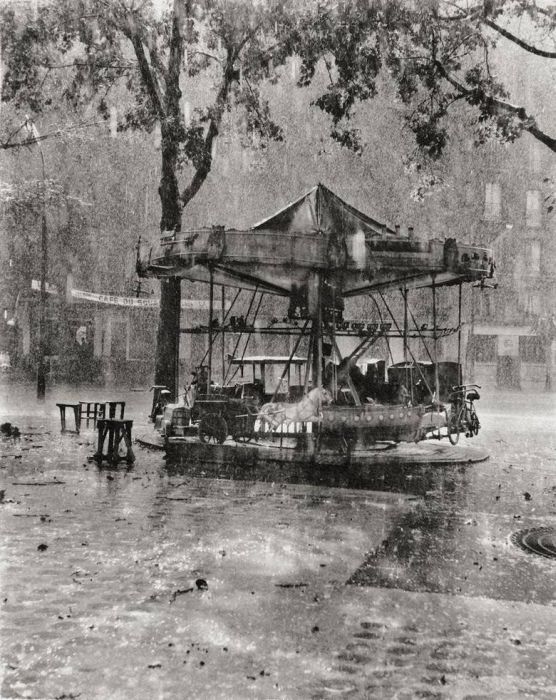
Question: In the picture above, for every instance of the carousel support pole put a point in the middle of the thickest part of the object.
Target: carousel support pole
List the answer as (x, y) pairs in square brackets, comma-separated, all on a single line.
[(409, 372), (460, 376), (317, 349), (236, 346), (435, 344), (333, 339), (470, 350), (211, 312), (405, 322), (399, 331), (288, 363), (317, 359), (177, 340), (223, 333), (308, 363)]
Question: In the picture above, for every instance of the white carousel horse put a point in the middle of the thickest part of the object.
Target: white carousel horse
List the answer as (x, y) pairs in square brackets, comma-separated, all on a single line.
[(308, 409)]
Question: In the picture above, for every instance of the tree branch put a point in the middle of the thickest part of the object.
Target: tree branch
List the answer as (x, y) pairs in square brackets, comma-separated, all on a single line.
[(497, 105), (516, 40), (480, 12), (207, 55), (85, 64), (203, 170), (468, 13), (156, 61), (129, 28), (248, 36), (5, 145), (147, 75), (175, 57)]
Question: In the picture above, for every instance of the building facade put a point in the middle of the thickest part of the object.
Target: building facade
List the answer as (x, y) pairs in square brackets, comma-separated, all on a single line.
[(513, 327)]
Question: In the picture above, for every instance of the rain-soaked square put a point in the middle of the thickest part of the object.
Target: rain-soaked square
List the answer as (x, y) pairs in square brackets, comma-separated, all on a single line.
[(277, 349), (280, 582)]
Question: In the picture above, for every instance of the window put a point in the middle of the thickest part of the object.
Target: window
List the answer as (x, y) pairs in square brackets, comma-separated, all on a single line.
[(535, 158), (493, 201), (485, 304), (485, 348), (533, 213), (533, 303), (534, 255), (531, 349)]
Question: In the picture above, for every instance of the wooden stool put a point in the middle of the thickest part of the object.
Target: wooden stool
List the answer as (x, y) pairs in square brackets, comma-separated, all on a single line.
[(112, 407), (92, 410), (76, 412), (116, 430)]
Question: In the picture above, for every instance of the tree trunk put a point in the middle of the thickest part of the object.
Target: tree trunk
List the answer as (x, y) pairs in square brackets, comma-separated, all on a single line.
[(168, 336), (167, 341)]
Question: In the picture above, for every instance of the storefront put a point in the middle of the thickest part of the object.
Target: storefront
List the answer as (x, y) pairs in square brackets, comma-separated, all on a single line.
[(511, 357)]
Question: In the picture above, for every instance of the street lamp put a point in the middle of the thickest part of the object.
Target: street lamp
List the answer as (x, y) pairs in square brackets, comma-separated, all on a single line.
[(41, 369)]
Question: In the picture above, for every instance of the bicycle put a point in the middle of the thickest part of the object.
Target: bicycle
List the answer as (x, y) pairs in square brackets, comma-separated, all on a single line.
[(463, 417)]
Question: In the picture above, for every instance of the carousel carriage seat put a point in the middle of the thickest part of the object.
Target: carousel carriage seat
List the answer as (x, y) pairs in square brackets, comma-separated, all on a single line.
[(295, 392)]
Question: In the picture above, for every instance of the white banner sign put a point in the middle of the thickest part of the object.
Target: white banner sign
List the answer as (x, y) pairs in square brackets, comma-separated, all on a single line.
[(137, 302), (114, 300), (151, 303)]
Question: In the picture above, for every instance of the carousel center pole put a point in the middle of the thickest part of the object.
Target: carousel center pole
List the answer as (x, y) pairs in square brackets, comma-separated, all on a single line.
[(316, 329), (460, 376), (223, 333), (409, 378), (211, 312), (435, 344), (315, 311)]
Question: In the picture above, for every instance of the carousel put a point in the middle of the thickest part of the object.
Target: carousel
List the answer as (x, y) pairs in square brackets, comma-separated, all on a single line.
[(333, 398)]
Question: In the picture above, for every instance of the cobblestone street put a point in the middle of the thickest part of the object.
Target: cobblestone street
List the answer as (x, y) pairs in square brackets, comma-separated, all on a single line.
[(164, 582)]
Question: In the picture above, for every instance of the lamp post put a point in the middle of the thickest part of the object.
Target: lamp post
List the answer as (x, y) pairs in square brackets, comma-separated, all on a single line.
[(41, 368)]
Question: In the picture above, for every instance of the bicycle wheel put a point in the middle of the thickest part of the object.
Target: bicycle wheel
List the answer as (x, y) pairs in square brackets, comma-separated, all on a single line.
[(212, 428), (454, 426), (474, 424)]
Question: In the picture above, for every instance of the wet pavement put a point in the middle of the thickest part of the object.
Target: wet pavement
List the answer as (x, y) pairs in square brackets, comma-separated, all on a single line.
[(174, 581)]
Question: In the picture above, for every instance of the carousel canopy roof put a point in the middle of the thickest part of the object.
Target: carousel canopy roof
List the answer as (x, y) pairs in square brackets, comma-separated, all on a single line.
[(322, 211), (316, 236)]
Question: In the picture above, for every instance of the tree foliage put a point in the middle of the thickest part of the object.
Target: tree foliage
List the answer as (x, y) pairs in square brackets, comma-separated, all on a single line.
[(437, 53), (179, 68), (177, 65)]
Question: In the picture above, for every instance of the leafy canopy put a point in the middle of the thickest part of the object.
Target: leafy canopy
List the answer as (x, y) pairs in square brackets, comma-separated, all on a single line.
[(435, 52), (179, 66)]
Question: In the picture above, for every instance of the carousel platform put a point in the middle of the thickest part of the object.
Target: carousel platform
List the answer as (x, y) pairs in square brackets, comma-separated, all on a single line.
[(431, 452)]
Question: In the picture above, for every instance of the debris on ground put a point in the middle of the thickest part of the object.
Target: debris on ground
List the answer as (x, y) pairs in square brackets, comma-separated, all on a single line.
[(9, 431), (180, 591)]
